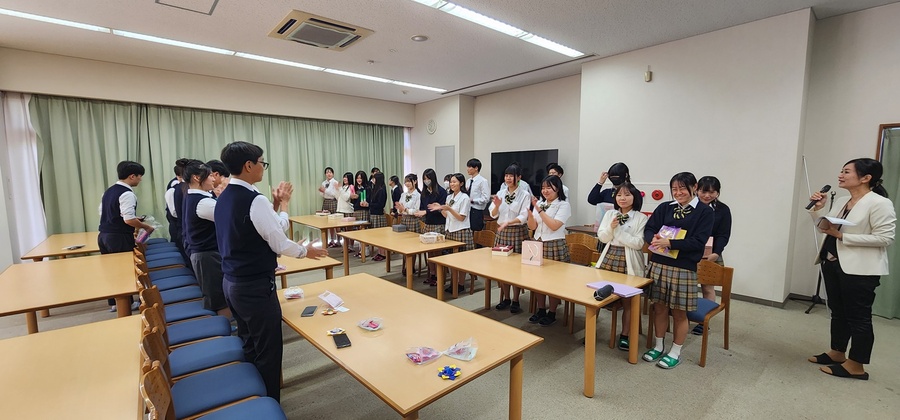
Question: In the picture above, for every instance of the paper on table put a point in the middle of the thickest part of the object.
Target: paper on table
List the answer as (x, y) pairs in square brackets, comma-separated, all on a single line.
[(332, 299), (619, 289)]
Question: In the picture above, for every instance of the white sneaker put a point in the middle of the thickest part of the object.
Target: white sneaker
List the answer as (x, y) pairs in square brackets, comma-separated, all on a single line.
[(112, 308)]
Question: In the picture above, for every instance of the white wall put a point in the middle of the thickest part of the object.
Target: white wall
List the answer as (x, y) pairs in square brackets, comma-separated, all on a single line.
[(726, 103), (445, 113), (540, 116), (32, 72), (853, 88)]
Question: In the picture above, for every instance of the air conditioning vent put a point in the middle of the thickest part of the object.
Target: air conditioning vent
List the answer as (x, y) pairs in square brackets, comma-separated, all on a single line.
[(318, 31)]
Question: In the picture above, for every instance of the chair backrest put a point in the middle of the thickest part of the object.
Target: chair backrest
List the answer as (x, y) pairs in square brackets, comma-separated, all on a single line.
[(157, 394), (154, 349), (151, 317), (580, 254), (142, 279), (484, 238), (710, 273), (582, 238), (491, 225), (389, 219)]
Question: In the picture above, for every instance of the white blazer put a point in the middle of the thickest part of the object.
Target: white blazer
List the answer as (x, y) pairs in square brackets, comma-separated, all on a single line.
[(863, 249), (630, 235)]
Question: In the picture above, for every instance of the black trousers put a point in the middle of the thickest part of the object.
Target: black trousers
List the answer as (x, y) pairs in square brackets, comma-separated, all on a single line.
[(476, 219), (850, 299), (257, 312), (111, 243)]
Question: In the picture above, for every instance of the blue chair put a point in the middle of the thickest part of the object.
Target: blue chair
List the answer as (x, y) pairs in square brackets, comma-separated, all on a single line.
[(710, 273), (188, 331), (176, 312), (170, 261), (193, 358), (170, 296)]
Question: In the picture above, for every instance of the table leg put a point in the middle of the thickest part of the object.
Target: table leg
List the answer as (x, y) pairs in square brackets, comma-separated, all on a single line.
[(454, 282), (516, 369), (633, 329), (387, 261), (283, 281), (487, 293), (362, 251), (440, 282), (291, 229), (346, 258), (31, 321), (324, 233), (409, 270), (329, 273), (44, 312), (590, 343), (412, 416), (123, 306)]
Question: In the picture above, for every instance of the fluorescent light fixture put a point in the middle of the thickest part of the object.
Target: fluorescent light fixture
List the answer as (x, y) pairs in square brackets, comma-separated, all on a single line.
[(54, 21), (358, 76), (172, 42), (278, 61), (491, 23), (412, 85)]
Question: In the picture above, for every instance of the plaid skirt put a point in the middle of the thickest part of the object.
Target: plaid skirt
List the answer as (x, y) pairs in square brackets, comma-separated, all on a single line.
[(512, 236), (411, 222), (361, 215), (673, 286), (464, 236), (556, 250), (329, 205), (434, 228), (615, 260), (377, 221)]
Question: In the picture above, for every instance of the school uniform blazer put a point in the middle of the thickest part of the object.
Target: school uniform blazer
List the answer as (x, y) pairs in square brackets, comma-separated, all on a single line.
[(863, 249), (630, 236)]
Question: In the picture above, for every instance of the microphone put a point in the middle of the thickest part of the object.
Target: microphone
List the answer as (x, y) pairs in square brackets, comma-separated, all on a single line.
[(603, 292), (824, 190)]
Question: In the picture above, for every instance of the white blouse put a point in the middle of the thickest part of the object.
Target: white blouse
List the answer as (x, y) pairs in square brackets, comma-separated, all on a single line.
[(517, 208), (343, 202), (410, 201), (332, 190), (558, 210), (460, 203)]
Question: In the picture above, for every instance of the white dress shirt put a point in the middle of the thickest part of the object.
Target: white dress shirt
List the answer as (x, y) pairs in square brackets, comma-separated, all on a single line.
[(332, 190), (410, 201), (517, 209), (127, 203), (271, 225), (558, 210), (479, 192), (460, 205), (170, 199), (206, 208)]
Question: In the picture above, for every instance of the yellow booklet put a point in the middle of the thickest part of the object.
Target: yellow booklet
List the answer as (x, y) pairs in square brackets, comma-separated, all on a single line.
[(668, 232)]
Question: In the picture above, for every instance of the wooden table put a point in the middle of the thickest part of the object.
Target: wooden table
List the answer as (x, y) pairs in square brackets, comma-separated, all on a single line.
[(376, 359), (563, 280), (54, 246), (403, 243), (586, 229), (324, 224), (299, 265), (90, 371), (26, 288)]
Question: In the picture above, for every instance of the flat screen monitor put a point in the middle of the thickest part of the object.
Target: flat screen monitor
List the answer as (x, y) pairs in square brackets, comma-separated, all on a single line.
[(532, 163)]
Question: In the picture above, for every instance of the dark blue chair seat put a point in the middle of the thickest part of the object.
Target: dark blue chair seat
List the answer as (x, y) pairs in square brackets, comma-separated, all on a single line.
[(198, 329), (156, 241), (160, 250), (205, 354), (704, 306), (165, 262), (180, 294), (170, 272), (257, 408), (186, 310), (215, 388), (163, 255), (175, 282)]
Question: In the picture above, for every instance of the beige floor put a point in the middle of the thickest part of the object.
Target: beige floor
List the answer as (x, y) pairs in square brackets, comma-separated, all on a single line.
[(763, 375)]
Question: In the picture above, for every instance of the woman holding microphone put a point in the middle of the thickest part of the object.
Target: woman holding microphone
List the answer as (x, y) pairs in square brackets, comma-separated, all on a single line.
[(853, 258)]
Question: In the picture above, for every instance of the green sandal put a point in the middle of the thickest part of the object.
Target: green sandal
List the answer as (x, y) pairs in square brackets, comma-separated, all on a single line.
[(652, 355), (623, 343), (668, 362)]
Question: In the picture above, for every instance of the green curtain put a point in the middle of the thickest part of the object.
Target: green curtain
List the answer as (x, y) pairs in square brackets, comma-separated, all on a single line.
[(887, 297), (81, 141)]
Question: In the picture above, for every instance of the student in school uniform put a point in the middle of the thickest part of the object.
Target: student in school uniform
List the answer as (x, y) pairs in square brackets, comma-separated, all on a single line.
[(345, 200), (408, 206), (250, 235), (360, 197), (396, 192), (219, 176), (623, 231), (329, 190), (548, 220), (617, 174), (118, 215), (510, 208), (434, 219), (708, 192), (372, 173), (200, 236), (180, 195), (674, 286), (555, 169), (376, 205), (175, 234), (479, 194), (456, 213), (446, 183)]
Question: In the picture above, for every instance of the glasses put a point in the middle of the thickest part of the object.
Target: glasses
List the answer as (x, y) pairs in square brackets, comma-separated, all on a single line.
[(264, 164)]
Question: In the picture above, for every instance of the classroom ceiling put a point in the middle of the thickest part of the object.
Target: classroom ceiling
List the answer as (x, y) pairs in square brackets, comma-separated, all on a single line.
[(459, 56)]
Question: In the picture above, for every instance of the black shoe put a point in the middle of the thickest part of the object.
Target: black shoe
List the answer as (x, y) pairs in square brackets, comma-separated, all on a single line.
[(515, 308), (537, 316), (459, 288), (548, 320), (503, 304)]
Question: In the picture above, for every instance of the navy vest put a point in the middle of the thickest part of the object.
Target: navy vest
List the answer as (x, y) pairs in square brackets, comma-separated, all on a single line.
[(199, 233), (179, 207), (111, 220), (245, 255)]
